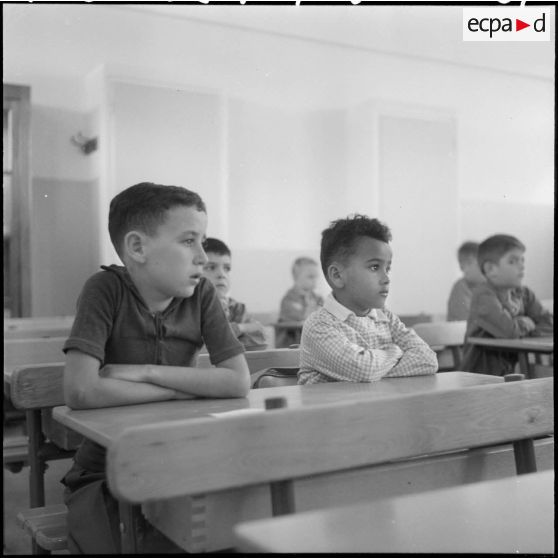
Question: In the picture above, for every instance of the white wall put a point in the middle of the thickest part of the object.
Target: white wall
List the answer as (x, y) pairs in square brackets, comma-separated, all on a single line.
[(64, 220), (289, 130)]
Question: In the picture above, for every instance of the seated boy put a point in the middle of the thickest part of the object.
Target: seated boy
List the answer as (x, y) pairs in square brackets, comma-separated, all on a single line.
[(502, 307), (135, 339), (217, 269), (353, 338), (299, 301), (461, 293)]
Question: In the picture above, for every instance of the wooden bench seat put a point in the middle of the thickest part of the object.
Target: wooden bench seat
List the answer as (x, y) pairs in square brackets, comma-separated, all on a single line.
[(37, 389), (46, 525), (15, 452)]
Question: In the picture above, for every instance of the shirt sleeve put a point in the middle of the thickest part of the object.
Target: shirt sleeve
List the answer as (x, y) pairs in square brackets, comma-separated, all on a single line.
[(544, 320), (489, 314), (327, 349), (218, 336), (418, 358), (95, 309)]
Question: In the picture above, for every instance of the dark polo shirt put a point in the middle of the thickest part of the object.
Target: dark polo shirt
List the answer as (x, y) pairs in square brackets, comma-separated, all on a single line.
[(114, 325)]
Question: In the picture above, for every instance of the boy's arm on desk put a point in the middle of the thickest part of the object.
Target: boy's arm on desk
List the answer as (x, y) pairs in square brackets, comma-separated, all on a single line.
[(86, 388), (418, 358), (489, 314), (544, 320), (338, 357), (231, 378)]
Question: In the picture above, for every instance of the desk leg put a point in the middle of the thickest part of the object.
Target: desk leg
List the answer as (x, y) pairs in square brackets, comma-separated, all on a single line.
[(131, 525), (282, 497), (524, 364), (524, 453)]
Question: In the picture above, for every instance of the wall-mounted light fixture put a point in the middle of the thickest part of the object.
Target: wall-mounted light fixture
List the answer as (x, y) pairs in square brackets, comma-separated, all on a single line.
[(87, 145)]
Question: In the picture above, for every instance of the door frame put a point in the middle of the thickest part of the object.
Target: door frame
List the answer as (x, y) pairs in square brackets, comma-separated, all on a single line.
[(17, 99)]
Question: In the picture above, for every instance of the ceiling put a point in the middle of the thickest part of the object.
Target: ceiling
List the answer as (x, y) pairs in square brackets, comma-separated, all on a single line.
[(425, 32)]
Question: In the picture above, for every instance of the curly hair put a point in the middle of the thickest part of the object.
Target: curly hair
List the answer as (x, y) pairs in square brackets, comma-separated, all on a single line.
[(339, 240)]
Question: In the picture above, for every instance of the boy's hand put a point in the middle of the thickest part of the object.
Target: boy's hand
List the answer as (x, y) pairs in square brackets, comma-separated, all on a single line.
[(394, 350), (527, 323), (126, 372)]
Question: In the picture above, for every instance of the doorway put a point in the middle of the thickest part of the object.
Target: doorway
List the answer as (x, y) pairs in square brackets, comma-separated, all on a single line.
[(16, 200)]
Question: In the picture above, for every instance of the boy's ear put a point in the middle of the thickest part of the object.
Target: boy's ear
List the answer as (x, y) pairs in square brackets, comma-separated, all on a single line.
[(488, 267), (134, 246), (335, 275)]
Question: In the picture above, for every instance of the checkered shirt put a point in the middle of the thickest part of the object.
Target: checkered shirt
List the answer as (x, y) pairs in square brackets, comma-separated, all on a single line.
[(339, 346)]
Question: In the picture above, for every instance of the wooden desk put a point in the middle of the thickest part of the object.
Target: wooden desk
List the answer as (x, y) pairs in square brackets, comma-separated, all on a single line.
[(508, 516), (200, 518), (523, 346), (105, 425)]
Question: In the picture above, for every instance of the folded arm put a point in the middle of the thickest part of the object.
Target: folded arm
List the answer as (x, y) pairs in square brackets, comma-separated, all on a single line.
[(85, 388), (329, 351), (230, 378), (495, 319), (418, 358), (87, 385)]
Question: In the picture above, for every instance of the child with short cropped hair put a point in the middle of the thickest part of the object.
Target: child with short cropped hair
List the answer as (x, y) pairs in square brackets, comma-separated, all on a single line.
[(461, 293), (299, 301), (135, 339), (502, 306), (248, 331), (353, 337)]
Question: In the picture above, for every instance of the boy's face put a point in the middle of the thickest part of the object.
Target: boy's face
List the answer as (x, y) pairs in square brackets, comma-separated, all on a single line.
[(509, 271), (174, 256), (217, 270), (307, 277), (471, 270), (365, 277)]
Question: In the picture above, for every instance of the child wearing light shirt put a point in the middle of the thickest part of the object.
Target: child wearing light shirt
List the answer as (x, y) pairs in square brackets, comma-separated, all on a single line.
[(353, 337)]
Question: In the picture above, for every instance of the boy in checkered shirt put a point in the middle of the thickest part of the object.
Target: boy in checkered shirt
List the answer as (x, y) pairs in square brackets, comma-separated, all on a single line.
[(353, 338)]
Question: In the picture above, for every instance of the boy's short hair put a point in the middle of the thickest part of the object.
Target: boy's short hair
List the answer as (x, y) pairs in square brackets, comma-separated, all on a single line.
[(340, 238), (143, 207), (467, 251), (216, 246), (301, 262), (494, 247)]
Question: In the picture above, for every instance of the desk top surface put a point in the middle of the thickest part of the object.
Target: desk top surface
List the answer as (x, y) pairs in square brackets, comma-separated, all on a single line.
[(510, 515), (104, 425), (531, 344)]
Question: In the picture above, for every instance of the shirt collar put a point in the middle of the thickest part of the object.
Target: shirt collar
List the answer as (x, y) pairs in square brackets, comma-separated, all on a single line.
[(342, 312)]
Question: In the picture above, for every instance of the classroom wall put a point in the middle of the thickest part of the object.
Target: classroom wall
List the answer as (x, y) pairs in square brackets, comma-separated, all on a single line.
[(64, 223), (287, 118)]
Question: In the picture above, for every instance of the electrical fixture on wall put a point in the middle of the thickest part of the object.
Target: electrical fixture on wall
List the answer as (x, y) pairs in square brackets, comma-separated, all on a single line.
[(87, 145)]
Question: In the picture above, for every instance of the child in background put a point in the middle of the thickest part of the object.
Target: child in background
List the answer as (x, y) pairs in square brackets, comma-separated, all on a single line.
[(502, 307), (354, 338), (217, 269), (299, 301), (461, 293), (135, 339)]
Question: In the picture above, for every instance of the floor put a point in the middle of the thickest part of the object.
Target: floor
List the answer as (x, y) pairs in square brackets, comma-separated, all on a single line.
[(16, 498)]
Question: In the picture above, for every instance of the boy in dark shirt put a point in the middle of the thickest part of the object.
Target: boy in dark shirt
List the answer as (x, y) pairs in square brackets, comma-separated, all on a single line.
[(502, 307), (136, 336)]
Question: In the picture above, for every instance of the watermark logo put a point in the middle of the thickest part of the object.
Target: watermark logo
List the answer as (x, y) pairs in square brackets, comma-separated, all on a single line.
[(506, 24)]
